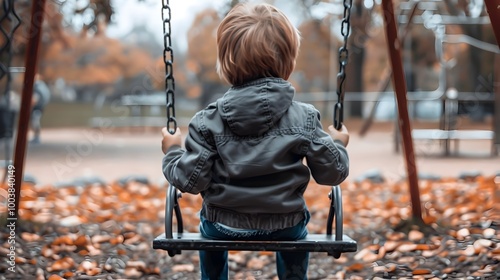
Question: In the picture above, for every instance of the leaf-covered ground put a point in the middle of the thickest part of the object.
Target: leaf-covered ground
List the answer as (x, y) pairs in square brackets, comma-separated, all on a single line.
[(105, 231)]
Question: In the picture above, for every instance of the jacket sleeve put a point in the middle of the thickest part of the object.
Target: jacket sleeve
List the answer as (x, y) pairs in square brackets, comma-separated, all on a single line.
[(190, 169), (327, 159)]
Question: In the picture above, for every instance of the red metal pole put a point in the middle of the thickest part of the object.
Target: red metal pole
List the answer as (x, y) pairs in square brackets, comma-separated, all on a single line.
[(496, 110), (493, 8), (37, 13), (399, 83)]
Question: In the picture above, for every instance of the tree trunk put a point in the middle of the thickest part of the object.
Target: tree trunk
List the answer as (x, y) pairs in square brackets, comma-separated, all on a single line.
[(494, 14), (355, 78), (354, 67), (496, 110)]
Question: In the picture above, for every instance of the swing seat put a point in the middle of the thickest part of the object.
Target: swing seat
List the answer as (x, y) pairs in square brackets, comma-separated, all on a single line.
[(333, 244), (312, 243)]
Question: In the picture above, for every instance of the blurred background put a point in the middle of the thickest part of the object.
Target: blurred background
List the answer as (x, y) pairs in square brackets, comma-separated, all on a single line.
[(102, 61), (92, 169)]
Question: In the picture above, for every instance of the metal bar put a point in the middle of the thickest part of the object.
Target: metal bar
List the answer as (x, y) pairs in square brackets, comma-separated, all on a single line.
[(31, 61), (455, 39), (493, 8), (496, 118), (366, 96), (423, 5), (388, 96), (399, 83), (446, 19), (14, 69)]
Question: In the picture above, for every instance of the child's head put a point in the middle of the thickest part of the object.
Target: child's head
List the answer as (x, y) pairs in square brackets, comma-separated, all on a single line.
[(256, 41)]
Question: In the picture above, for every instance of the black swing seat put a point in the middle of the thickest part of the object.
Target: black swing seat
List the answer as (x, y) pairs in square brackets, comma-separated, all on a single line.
[(333, 244), (312, 243)]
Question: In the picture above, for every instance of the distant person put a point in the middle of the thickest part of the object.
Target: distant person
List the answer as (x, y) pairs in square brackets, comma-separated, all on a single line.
[(245, 152), (41, 97)]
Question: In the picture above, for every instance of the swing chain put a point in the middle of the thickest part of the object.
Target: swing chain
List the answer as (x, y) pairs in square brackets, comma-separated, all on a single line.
[(338, 109), (168, 59)]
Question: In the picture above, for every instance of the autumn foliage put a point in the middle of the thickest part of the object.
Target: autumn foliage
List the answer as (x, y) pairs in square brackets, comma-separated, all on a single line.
[(88, 230)]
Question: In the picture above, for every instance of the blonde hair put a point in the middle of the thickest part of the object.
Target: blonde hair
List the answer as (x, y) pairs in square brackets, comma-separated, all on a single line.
[(256, 41)]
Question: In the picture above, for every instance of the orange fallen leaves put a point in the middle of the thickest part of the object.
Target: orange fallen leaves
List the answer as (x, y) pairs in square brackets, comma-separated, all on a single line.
[(465, 209), (90, 268), (30, 237), (415, 235), (62, 264), (356, 267), (55, 277), (421, 271)]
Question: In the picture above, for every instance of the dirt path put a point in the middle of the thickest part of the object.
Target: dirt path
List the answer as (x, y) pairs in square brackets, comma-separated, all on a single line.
[(110, 154)]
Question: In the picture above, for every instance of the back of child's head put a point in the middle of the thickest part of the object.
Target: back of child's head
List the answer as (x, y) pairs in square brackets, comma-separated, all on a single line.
[(256, 41)]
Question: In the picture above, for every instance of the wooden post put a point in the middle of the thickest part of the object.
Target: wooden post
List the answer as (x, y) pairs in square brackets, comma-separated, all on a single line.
[(35, 31), (496, 110), (399, 83), (493, 8)]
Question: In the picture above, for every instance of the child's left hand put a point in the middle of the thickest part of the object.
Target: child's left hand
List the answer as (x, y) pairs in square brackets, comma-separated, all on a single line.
[(170, 140)]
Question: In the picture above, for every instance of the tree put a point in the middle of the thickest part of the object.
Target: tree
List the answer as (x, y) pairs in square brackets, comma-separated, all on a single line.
[(202, 54), (313, 65), (360, 20), (96, 10)]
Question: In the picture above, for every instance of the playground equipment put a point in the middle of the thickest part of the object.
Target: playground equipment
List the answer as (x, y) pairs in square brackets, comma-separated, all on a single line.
[(447, 132)]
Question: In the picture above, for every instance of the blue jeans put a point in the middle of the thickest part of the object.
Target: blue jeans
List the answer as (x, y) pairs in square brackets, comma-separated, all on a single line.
[(289, 265)]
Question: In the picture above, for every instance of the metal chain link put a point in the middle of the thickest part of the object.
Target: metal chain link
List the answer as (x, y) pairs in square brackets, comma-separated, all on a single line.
[(9, 23), (168, 59), (7, 31), (338, 109)]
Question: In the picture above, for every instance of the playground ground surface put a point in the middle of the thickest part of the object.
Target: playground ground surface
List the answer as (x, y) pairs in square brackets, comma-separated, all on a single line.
[(109, 154), (74, 241)]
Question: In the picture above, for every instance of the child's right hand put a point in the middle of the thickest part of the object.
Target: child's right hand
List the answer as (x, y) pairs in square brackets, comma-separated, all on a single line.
[(342, 135), (170, 140)]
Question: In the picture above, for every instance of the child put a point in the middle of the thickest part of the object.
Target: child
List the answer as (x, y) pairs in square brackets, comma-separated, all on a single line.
[(41, 97), (244, 153)]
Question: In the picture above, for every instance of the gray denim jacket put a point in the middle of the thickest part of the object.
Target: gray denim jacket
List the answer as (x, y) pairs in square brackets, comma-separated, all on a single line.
[(245, 155)]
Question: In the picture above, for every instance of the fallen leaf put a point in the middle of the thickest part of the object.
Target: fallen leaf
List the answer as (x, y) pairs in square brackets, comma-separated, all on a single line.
[(407, 247), (30, 237), (421, 271), (183, 268), (415, 235), (81, 241), (463, 233), (139, 265), (489, 233), (355, 267), (71, 221)]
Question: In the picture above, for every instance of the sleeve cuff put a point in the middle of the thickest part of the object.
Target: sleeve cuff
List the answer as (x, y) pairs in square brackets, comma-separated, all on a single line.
[(173, 148), (338, 142)]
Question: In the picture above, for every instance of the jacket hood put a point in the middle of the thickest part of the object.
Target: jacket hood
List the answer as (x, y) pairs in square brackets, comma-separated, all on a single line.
[(255, 107)]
